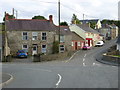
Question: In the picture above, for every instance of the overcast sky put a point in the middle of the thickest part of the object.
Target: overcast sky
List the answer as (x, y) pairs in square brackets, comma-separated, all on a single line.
[(93, 9)]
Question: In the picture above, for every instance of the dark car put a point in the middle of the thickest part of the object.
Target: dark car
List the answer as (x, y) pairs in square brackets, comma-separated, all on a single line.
[(22, 54)]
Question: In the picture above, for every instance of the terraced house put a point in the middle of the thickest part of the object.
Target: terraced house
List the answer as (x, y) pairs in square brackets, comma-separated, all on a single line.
[(36, 36), (88, 35)]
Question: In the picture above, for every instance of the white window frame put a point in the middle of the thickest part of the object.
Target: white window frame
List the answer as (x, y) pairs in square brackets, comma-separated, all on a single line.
[(62, 38), (61, 47), (72, 44), (24, 36), (79, 44), (34, 35), (42, 36), (42, 48)]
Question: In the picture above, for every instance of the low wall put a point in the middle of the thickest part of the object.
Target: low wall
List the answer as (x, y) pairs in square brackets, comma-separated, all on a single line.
[(52, 57), (112, 59)]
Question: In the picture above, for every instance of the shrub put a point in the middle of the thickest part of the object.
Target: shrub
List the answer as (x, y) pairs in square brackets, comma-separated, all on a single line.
[(55, 48)]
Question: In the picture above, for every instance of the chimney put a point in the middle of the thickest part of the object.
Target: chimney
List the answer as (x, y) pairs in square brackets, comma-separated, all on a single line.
[(7, 16), (51, 18)]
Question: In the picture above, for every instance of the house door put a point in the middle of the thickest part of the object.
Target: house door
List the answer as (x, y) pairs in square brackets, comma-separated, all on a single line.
[(88, 42), (75, 45), (34, 51)]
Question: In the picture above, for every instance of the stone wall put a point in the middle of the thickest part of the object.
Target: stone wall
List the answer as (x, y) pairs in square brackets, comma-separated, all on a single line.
[(15, 41)]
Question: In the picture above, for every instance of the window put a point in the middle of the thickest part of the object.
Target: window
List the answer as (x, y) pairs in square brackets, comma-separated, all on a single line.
[(44, 47), (62, 38), (72, 43), (25, 47), (78, 43), (25, 36), (44, 36), (62, 48), (34, 35)]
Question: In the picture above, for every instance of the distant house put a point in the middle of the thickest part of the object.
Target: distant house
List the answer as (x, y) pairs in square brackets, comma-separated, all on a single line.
[(36, 36), (90, 36), (77, 41), (118, 43), (109, 31), (97, 22)]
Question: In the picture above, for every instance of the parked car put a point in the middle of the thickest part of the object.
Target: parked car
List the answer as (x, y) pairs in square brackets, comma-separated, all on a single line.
[(86, 47), (99, 43), (22, 53)]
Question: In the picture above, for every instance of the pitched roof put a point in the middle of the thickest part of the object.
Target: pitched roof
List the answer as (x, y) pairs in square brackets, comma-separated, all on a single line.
[(86, 28), (30, 25), (118, 40), (64, 30), (88, 21)]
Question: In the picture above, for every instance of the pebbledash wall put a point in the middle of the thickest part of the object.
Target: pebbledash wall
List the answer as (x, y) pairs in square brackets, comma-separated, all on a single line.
[(15, 41)]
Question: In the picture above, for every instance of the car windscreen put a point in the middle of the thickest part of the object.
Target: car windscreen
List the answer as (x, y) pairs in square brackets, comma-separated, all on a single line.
[(21, 51)]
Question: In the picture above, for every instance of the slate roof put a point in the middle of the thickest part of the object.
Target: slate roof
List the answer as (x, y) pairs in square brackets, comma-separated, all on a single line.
[(35, 25), (87, 21), (86, 28), (29, 25), (118, 40), (65, 30)]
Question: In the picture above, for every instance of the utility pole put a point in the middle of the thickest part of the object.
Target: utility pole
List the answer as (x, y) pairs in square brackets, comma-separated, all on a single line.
[(59, 21), (16, 14), (83, 16), (59, 18), (13, 12)]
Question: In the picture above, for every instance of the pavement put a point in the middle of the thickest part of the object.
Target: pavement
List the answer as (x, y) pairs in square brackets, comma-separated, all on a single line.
[(6, 78)]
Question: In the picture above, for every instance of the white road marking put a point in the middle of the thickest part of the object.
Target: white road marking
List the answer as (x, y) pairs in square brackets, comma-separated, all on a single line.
[(93, 64), (72, 56), (85, 55), (60, 77), (83, 64), (96, 64), (83, 59)]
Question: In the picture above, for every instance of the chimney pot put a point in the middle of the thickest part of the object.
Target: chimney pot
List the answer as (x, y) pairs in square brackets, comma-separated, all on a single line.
[(51, 18)]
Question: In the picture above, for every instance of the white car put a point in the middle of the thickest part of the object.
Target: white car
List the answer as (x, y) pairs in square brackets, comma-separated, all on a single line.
[(99, 43)]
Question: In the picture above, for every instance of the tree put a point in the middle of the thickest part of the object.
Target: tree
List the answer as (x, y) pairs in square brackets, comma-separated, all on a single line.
[(39, 17), (55, 47), (92, 25), (64, 23), (10, 17), (75, 20)]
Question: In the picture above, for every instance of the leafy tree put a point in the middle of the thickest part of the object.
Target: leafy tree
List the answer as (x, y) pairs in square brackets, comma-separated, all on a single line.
[(39, 17), (75, 19), (55, 47), (64, 23), (92, 25), (10, 17)]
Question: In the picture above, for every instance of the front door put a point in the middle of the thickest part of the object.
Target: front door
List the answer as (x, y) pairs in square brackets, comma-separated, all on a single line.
[(34, 51), (76, 45)]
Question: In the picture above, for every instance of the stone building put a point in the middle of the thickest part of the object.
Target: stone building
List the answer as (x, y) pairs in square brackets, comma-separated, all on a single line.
[(35, 36)]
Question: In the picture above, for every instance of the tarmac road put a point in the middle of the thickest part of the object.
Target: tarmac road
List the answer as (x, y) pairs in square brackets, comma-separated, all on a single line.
[(80, 71)]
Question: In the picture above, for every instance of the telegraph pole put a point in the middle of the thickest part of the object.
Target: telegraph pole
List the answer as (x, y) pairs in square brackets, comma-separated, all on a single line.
[(13, 12), (59, 18), (83, 16), (16, 14)]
